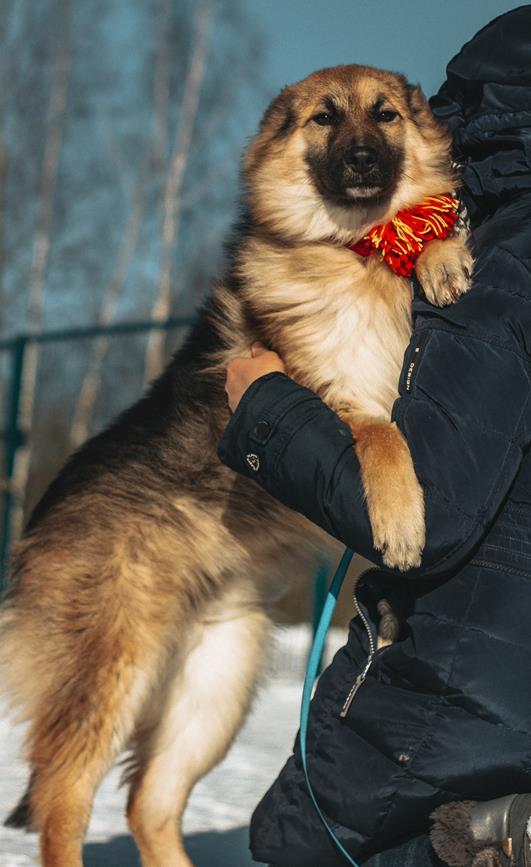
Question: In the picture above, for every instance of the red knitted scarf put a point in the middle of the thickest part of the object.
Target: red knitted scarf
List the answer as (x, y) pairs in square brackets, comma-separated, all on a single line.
[(401, 241)]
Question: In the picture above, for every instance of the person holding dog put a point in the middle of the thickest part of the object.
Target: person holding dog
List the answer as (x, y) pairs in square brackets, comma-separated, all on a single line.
[(442, 720)]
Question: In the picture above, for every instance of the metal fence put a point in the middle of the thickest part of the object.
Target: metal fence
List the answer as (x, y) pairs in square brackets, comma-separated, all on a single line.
[(14, 434)]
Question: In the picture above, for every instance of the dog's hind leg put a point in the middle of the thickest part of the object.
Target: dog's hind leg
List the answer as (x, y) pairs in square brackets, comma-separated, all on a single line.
[(64, 802), (74, 741), (203, 709)]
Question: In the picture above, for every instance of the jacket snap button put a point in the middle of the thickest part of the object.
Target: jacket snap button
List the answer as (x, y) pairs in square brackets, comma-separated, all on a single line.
[(261, 430), (253, 461)]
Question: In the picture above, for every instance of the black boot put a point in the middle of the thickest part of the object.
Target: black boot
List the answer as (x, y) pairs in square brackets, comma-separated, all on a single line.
[(484, 833)]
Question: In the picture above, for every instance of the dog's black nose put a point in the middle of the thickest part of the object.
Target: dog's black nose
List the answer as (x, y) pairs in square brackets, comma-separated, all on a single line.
[(361, 159)]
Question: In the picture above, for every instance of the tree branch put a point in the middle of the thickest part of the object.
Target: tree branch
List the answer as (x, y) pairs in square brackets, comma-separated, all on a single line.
[(173, 191)]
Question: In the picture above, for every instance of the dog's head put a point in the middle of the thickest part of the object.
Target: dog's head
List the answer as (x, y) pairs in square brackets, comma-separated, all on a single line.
[(342, 150)]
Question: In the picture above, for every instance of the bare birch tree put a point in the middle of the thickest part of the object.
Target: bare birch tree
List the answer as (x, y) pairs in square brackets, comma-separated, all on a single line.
[(121, 133), (156, 156), (176, 198), (174, 185), (41, 250)]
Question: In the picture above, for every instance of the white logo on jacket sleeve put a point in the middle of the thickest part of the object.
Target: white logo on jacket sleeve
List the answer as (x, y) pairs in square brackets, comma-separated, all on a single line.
[(253, 461)]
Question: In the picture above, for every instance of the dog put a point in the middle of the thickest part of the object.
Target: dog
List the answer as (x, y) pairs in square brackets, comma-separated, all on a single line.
[(140, 594)]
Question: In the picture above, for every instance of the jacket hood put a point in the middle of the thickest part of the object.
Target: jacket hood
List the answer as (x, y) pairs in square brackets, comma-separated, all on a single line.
[(486, 102)]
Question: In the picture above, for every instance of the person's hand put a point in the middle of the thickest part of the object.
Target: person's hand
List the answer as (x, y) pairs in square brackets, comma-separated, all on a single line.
[(241, 372)]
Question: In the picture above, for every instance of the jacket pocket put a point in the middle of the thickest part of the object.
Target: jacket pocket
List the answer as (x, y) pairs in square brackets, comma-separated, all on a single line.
[(391, 719), (507, 546)]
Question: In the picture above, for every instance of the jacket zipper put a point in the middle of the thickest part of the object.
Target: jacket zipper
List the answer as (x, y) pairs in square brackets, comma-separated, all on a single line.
[(372, 650)]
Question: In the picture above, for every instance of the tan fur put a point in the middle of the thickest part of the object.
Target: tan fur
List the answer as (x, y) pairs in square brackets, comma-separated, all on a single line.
[(394, 496), (342, 323), (138, 610), (116, 641), (281, 192), (447, 263)]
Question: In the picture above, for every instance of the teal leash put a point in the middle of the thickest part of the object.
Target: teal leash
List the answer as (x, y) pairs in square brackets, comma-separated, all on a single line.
[(309, 680)]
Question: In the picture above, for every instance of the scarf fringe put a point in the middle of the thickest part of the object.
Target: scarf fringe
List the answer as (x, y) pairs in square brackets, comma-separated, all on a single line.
[(401, 241)]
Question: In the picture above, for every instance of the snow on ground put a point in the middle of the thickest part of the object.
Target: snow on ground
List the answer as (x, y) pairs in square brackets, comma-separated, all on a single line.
[(218, 813)]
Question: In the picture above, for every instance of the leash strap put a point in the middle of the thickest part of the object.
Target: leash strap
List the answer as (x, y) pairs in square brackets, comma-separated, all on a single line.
[(309, 680)]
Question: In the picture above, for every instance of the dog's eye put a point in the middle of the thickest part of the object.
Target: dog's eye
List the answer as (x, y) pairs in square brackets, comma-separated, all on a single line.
[(324, 119), (386, 116)]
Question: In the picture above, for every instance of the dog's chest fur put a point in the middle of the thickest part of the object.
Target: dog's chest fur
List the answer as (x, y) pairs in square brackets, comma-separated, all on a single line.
[(340, 323)]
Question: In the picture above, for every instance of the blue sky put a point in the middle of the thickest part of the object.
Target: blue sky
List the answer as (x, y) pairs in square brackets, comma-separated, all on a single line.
[(413, 37)]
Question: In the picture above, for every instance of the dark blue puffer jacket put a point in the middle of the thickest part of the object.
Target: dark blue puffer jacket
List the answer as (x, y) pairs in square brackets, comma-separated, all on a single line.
[(445, 712)]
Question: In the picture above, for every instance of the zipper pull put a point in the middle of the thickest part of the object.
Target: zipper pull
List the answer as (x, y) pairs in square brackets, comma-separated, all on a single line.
[(352, 694)]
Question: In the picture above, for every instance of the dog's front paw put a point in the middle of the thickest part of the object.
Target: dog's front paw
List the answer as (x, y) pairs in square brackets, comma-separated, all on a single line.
[(443, 269), (395, 500), (398, 531)]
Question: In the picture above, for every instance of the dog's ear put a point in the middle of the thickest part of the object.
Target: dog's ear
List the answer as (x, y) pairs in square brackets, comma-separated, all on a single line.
[(278, 121), (418, 104), (280, 117)]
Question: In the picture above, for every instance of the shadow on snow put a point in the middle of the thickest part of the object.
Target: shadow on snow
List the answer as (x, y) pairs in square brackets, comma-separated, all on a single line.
[(207, 849)]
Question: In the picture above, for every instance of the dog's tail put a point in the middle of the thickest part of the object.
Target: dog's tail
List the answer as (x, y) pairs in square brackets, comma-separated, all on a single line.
[(22, 815)]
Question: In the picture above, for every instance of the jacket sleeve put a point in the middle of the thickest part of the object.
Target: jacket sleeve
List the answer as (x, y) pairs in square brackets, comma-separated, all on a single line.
[(464, 410)]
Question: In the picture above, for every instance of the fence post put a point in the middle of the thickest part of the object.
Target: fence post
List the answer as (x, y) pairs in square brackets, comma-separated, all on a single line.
[(12, 441)]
